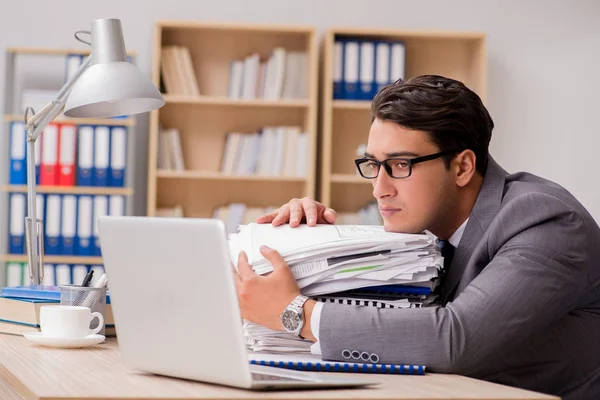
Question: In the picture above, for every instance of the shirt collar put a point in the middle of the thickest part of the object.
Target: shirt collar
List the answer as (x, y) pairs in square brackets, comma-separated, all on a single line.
[(457, 235)]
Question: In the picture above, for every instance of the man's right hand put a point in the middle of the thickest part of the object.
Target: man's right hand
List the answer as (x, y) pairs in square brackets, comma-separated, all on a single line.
[(297, 211)]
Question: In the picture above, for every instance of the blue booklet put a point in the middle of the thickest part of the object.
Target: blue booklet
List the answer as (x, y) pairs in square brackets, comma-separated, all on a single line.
[(36, 292), (306, 362), (32, 292)]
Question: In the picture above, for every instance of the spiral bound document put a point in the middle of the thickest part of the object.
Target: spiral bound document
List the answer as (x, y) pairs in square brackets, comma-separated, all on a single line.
[(314, 363)]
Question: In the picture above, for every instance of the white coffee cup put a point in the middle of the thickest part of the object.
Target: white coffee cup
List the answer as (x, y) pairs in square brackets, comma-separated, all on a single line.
[(68, 321)]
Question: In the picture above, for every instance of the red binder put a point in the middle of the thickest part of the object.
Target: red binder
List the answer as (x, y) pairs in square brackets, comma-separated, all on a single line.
[(49, 156), (66, 156)]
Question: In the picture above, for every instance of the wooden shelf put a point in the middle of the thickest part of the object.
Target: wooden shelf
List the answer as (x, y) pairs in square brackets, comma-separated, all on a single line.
[(347, 178), (229, 27), (352, 104), (204, 122), (407, 33), (50, 52), (71, 190), (203, 130), (199, 198), (53, 259), (79, 121), (225, 101), (210, 175)]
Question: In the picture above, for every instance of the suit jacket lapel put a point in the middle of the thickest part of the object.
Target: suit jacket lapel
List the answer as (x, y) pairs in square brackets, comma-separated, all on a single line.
[(485, 209)]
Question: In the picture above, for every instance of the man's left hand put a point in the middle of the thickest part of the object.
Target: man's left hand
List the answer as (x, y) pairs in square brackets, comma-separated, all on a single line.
[(263, 298)]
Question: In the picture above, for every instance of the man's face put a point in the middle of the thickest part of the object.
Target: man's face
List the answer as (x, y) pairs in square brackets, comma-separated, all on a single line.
[(425, 199)]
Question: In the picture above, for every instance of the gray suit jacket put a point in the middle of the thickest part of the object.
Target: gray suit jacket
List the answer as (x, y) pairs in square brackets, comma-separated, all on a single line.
[(523, 294)]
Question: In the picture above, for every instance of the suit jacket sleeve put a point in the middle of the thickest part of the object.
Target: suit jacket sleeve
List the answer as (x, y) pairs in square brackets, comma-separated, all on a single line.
[(532, 279)]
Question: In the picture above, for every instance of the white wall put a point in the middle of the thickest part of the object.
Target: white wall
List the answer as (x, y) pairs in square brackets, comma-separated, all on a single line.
[(544, 62)]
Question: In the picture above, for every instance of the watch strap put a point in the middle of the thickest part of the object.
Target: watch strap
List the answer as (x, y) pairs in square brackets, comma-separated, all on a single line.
[(299, 301)]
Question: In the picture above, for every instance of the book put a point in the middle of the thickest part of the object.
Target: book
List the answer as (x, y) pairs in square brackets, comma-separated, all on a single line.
[(315, 363), (30, 292), (23, 311), (19, 315), (15, 328)]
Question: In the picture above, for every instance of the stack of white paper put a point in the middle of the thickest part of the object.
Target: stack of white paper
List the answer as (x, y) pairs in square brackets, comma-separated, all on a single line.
[(346, 264), (261, 339), (334, 258)]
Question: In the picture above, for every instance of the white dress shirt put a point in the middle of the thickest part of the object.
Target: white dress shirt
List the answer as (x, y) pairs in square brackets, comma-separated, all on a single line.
[(315, 318)]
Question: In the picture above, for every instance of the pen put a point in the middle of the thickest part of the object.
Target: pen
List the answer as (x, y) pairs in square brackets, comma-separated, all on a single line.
[(91, 300), (87, 279), (101, 282)]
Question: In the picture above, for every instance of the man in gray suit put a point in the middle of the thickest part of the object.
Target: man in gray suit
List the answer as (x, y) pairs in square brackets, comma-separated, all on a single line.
[(520, 302)]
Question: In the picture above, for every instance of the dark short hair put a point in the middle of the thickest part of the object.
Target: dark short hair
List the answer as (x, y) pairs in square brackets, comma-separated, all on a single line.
[(453, 115)]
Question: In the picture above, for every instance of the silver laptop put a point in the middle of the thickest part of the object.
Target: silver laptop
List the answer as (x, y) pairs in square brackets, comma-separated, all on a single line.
[(175, 307)]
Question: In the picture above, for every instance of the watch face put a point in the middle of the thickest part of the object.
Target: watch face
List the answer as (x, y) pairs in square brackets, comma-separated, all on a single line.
[(290, 320)]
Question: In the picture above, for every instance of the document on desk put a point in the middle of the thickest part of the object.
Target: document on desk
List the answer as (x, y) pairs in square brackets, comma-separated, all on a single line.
[(328, 258), (309, 362), (259, 338), (333, 263), (319, 242)]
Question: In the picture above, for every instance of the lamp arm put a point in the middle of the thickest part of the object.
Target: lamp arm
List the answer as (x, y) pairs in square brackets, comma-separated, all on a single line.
[(34, 127), (36, 124)]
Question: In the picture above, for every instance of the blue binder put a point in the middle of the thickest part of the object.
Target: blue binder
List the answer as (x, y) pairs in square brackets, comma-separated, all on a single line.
[(314, 363), (118, 156), (73, 62), (382, 65), (351, 74), (367, 86), (338, 69), (17, 213), (52, 242), (68, 224), (100, 209), (85, 156), (101, 155), (18, 154), (83, 237)]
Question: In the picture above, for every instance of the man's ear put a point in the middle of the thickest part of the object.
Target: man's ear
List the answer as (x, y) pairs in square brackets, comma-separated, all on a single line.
[(463, 166)]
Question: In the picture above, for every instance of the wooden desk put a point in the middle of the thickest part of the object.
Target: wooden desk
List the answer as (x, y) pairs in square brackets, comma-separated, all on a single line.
[(33, 372)]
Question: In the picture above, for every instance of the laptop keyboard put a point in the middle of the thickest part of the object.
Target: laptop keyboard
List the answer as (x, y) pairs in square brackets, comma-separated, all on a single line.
[(267, 377)]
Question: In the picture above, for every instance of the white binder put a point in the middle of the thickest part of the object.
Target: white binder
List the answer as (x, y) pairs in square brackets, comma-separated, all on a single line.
[(83, 246), (69, 224), (100, 210), (52, 224)]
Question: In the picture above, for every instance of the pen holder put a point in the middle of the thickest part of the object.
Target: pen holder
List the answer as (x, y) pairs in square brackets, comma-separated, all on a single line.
[(91, 297)]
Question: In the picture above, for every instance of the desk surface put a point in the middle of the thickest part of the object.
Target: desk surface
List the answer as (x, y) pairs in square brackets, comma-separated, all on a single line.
[(97, 373)]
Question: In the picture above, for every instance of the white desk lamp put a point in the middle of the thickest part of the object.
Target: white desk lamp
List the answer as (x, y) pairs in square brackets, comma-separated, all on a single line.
[(105, 85)]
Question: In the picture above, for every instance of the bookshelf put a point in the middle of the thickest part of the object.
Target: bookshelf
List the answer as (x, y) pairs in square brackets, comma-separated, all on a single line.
[(345, 123), (46, 69), (207, 115)]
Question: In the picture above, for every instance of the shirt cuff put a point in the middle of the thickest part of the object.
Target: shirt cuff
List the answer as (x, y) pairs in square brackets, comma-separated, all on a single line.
[(315, 321)]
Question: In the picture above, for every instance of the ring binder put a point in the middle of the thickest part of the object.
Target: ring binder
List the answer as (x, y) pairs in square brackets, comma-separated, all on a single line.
[(324, 366)]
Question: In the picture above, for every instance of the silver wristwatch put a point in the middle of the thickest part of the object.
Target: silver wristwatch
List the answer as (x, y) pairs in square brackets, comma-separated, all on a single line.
[(292, 317)]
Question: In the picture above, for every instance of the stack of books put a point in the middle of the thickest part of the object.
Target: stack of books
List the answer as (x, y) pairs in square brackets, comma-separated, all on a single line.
[(177, 71), (20, 309), (357, 265), (273, 151), (281, 75)]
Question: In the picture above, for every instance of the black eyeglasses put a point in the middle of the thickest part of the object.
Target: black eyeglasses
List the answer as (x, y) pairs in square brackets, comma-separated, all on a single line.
[(396, 167)]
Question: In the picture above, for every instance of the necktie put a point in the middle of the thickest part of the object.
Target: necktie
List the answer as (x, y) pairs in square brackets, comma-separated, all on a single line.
[(447, 251)]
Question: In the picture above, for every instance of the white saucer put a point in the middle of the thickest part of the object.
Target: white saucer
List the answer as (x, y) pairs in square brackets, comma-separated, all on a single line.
[(62, 342)]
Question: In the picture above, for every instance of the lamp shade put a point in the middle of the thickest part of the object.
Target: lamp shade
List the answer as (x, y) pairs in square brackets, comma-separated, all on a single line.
[(110, 90), (111, 86)]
